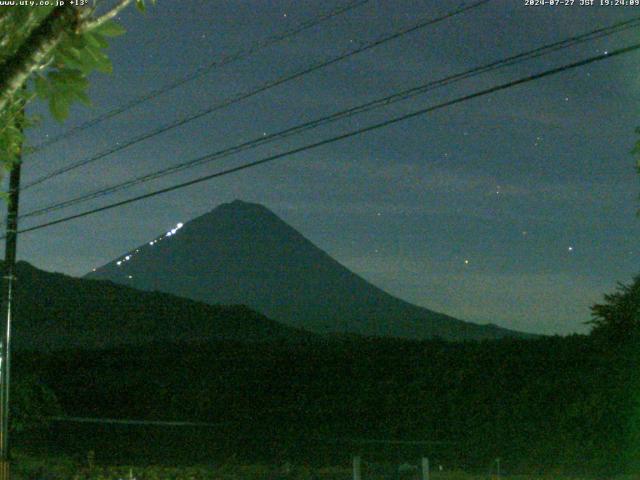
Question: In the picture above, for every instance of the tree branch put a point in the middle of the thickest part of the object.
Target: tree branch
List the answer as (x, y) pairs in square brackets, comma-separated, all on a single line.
[(105, 17), (39, 44)]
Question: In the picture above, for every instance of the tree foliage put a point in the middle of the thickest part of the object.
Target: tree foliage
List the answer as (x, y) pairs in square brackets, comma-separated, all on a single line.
[(545, 405), (33, 404), (618, 316), (48, 52)]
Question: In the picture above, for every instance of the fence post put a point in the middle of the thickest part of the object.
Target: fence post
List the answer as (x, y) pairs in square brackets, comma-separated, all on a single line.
[(356, 468), (425, 469)]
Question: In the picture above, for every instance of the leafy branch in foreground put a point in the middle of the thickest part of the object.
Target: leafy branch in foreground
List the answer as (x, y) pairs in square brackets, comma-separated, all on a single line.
[(48, 53)]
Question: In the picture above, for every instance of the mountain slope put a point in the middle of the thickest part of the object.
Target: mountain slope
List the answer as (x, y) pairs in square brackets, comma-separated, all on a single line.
[(242, 253), (55, 311)]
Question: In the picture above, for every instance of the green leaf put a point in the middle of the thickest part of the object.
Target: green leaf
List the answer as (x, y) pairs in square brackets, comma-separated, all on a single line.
[(71, 57), (88, 59), (110, 29), (77, 41), (96, 40), (69, 79), (42, 86), (98, 60), (140, 5), (59, 107), (83, 97)]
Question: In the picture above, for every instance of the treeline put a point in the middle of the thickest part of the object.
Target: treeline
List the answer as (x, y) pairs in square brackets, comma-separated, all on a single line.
[(566, 404)]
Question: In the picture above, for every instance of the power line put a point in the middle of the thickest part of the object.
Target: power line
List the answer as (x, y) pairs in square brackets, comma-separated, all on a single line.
[(121, 421), (343, 136), (243, 96), (177, 423), (540, 51), (330, 140), (225, 60)]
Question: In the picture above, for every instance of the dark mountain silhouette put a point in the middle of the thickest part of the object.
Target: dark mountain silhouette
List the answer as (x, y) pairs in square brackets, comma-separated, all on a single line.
[(55, 311), (242, 253)]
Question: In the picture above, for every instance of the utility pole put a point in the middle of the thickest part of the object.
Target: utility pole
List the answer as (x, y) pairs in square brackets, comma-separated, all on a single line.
[(357, 463), (7, 304), (426, 473)]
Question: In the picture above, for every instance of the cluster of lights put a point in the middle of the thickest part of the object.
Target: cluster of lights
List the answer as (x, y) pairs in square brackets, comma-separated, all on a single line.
[(171, 232)]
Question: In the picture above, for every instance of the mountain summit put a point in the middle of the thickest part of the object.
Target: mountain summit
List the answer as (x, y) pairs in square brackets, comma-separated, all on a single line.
[(242, 253)]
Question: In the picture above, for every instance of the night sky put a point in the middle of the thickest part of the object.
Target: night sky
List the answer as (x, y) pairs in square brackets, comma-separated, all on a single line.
[(517, 208)]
